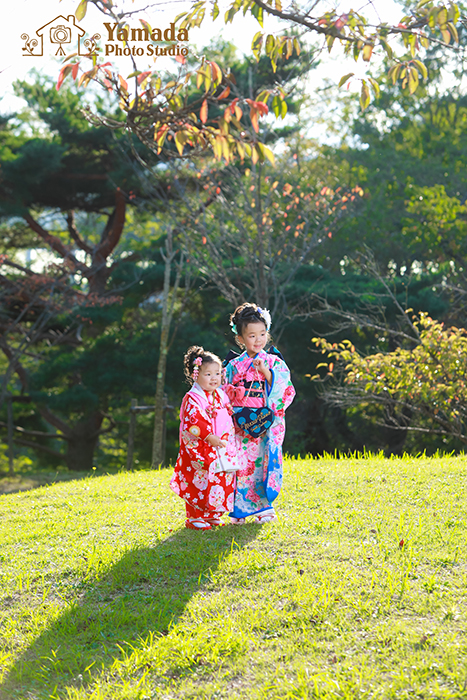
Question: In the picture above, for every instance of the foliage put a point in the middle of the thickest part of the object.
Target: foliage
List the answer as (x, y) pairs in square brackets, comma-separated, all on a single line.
[(157, 109), (435, 226), (421, 387), (401, 153), (424, 23), (261, 229), (56, 323), (64, 163), (164, 108)]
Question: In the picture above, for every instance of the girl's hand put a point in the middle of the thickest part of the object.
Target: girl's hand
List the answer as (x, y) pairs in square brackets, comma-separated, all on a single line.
[(262, 367), (215, 441)]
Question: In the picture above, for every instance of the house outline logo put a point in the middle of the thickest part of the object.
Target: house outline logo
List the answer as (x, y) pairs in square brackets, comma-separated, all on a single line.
[(61, 35)]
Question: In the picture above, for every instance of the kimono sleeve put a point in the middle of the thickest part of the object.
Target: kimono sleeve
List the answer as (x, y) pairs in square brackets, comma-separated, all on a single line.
[(195, 423), (282, 392), (229, 374)]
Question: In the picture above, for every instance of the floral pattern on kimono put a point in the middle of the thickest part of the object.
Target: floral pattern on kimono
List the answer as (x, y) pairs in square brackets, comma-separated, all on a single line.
[(260, 480), (195, 478)]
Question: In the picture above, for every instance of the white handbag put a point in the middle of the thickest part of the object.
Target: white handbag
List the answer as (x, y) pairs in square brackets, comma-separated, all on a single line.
[(227, 462)]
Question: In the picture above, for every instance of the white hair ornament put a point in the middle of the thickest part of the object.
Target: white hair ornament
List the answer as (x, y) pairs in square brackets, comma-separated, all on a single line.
[(266, 316)]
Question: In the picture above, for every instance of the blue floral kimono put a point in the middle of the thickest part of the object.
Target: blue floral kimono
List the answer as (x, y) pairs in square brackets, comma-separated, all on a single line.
[(260, 479)]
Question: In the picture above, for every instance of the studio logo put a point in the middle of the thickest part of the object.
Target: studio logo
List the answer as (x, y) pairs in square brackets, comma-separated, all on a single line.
[(58, 38)]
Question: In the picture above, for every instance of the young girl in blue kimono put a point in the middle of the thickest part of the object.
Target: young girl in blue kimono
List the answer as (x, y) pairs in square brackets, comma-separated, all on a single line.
[(254, 379)]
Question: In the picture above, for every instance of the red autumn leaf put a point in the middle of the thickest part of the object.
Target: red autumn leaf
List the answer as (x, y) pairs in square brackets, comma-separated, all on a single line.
[(401, 544), (262, 107), (225, 93), (254, 120), (203, 112), (62, 75), (74, 71), (142, 76)]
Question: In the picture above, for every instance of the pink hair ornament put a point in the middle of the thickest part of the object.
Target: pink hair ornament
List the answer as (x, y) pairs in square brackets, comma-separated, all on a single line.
[(197, 364)]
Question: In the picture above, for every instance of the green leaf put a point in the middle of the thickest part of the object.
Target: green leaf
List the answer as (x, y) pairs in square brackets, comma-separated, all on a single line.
[(270, 44), (276, 105), (364, 95), (387, 47), (256, 44), (265, 152), (257, 12), (81, 10), (422, 68), (413, 80), (345, 78), (396, 72), (263, 96), (180, 140), (375, 86), (453, 31), (442, 17)]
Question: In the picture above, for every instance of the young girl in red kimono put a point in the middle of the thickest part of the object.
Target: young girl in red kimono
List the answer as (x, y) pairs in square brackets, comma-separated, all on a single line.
[(205, 469)]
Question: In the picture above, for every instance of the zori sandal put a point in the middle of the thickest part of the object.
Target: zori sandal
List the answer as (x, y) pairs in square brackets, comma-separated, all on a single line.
[(215, 522), (237, 521), (197, 524), (266, 517)]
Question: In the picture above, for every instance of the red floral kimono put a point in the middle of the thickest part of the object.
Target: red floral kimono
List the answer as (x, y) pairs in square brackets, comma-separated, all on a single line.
[(206, 493)]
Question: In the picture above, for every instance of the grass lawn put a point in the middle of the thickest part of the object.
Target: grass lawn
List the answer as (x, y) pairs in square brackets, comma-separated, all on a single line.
[(359, 591)]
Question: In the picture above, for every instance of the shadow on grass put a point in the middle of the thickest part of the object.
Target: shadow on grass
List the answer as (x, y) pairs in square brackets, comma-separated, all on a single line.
[(28, 480), (143, 593)]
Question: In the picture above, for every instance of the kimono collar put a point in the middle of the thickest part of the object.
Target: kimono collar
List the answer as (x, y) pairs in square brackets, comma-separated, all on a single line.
[(244, 357), (198, 391)]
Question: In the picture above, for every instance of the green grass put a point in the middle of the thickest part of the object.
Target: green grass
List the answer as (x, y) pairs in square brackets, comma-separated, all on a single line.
[(359, 591)]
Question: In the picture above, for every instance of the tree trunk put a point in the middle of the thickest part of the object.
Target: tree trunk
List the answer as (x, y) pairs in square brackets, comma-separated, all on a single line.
[(82, 440), (168, 302), (157, 456)]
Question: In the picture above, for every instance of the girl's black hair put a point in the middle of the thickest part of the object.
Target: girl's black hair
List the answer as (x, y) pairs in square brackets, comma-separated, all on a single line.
[(243, 315), (190, 357)]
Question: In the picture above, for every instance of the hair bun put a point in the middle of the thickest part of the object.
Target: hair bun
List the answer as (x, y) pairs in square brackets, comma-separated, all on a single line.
[(248, 313), (192, 354)]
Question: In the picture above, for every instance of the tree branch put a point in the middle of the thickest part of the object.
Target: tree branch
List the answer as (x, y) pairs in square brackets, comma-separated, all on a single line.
[(73, 231), (38, 446), (113, 229), (57, 245), (33, 433)]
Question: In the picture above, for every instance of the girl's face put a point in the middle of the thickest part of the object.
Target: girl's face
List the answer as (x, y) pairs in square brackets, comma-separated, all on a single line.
[(210, 376), (254, 337)]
